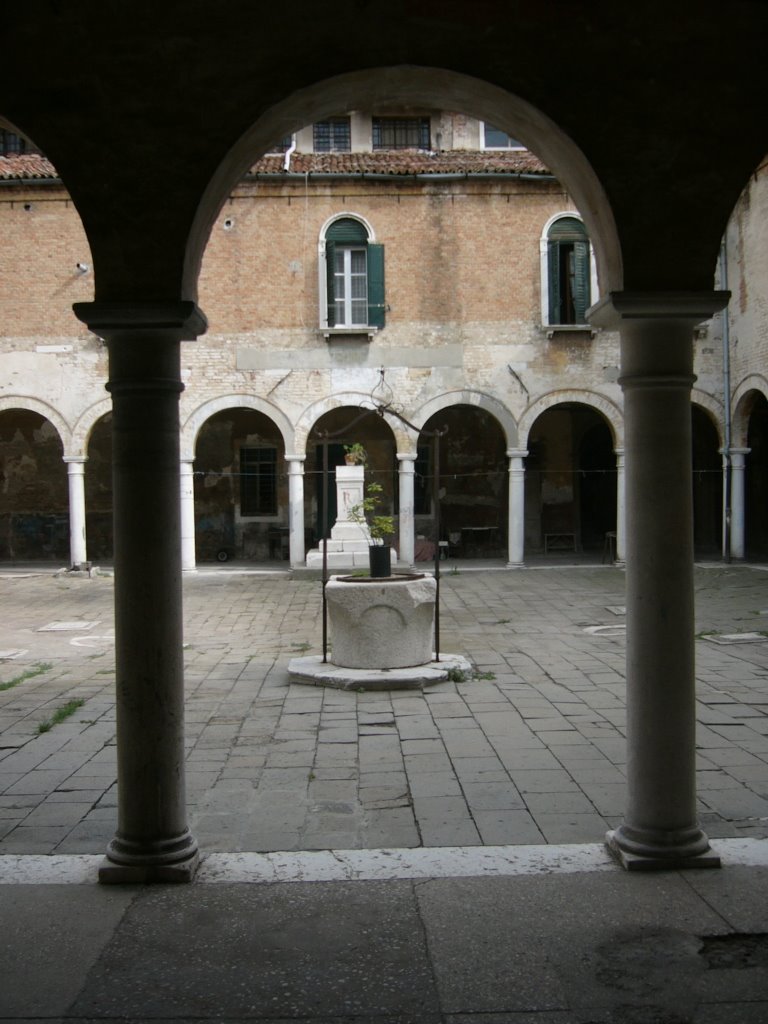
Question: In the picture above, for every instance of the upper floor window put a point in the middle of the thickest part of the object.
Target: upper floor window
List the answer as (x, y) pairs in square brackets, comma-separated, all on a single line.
[(12, 144), (568, 272), (332, 135), (495, 138), (282, 145), (401, 133), (353, 293)]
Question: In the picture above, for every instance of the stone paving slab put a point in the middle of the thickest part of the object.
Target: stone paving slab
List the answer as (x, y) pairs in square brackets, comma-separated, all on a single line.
[(529, 748)]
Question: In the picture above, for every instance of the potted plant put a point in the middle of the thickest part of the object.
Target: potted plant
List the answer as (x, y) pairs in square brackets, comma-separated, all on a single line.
[(355, 454), (377, 527)]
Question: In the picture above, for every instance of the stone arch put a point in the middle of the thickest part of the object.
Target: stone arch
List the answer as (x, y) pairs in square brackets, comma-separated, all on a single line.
[(43, 409), (742, 400), (359, 399), (348, 215), (479, 400), (599, 403), (437, 87), (81, 431), (196, 419)]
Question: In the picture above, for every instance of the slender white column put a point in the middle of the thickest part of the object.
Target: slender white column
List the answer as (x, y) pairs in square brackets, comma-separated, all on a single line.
[(660, 827), (153, 841), (738, 456), (296, 553), (188, 558), (621, 507), (516, 514), (76, 481), (406, 473)]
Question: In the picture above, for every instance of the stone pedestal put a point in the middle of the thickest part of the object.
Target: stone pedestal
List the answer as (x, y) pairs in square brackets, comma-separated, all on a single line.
[(348, 546), (382, 624)]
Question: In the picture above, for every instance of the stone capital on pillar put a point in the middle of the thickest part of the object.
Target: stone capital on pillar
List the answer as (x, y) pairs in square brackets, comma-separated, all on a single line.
[(618, 308), (182, 319)]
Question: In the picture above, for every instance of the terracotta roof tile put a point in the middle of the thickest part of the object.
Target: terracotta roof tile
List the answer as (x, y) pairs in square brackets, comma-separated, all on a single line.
[(406, 161), (394, 162), (26, 165)]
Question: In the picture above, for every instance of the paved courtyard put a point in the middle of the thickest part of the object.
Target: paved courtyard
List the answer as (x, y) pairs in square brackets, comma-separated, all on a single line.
[(529, 750)]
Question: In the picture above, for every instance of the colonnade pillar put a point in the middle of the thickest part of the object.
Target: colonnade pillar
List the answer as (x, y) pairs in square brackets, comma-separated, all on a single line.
[(406, 511), (188, 554), (660, 827), (516, 514), (296, 552), (621, 507), (737, 533), (76, 482), (153, 841)]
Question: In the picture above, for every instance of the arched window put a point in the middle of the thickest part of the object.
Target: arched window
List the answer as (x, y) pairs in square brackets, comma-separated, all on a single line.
[(566, 272), (353, 288)]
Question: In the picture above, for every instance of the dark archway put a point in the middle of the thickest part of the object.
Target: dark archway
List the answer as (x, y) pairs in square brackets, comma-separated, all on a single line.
[(34, 502), (337, 428), (98, 490), (241, 488), (473, 482), (707, 484), (756, 480), (570, 481)]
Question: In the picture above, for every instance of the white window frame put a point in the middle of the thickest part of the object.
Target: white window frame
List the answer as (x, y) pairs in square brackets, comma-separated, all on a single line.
[(499, 149), (544, 272), (322, 276)]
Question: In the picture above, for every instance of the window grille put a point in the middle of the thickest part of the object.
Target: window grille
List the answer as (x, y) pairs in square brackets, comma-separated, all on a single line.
[(332, 136), (258, 481), (401, 133)]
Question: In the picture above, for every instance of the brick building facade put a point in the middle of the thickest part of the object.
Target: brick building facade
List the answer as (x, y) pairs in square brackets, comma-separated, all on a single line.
[(360, 265)]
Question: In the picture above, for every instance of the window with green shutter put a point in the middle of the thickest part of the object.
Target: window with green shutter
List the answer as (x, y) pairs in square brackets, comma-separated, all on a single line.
[(568, 261), (354, 276)]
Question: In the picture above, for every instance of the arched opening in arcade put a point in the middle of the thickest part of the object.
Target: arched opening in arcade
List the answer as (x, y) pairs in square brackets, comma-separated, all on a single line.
[(756, 478), (34, 504), (570, 483), (330, 435), (472, 485), (240, 488), (98, 491), (707, 484)]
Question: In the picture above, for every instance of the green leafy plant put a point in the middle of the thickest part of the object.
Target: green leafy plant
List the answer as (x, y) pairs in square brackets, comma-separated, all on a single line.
[(366, 514), (355, 454)]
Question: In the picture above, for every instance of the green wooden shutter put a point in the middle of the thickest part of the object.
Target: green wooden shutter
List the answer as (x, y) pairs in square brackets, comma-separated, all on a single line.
[(330, 263), (555, 298), (376, 305), (581, 282)]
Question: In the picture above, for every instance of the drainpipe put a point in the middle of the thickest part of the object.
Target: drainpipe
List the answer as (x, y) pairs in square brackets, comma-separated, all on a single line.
[(288, 152), (727, 409)]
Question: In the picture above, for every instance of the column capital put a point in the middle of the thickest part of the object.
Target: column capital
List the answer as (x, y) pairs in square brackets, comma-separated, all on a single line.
[(617, 308), (183, 319), (299, 460), (517, 453), (75, 460), (404, 457), (735, 451)]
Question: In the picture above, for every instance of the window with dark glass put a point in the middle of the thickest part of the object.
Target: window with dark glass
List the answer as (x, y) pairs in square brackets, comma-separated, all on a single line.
[(12, 144), (495, 138), (569, 271), (282, 145), (332, 136), (258, 481), (401, 133)]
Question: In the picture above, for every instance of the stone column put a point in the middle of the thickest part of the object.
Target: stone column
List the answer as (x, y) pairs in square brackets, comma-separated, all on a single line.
[(660, 827), (188, 558), (738, 456), (516, 514), (296, 552), (406, 512), (153, 841), (621, 508), (76, 481)]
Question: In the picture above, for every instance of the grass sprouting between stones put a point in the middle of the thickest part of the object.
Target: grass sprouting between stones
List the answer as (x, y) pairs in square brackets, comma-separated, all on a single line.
[(36, 670), (60, 714)]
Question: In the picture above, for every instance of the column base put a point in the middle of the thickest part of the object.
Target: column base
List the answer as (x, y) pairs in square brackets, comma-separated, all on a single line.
[(633, 854), (172, 860), (515, 565)]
